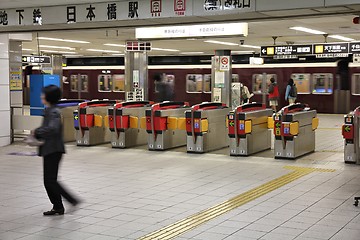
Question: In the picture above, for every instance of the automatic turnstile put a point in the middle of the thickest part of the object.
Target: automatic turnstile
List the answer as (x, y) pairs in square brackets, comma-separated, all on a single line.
[(161, 125), (294, 130), (206, 127), (89, 122), (124, 124), (249, 129), (67, 108), (350, 132)]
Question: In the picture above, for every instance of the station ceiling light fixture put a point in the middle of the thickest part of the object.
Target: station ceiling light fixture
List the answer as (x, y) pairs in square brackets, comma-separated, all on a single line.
[(62, 40), (27, 49), (114, 45), (118, 54), (341, 38), (165, 49), (242, 52), (192, 53), (250, 46), (222, 43), (59, 47), (102, 50), (307, 30)]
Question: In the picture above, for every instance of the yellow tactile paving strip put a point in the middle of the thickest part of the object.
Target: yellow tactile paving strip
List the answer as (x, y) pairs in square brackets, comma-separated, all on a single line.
[(182, 226)]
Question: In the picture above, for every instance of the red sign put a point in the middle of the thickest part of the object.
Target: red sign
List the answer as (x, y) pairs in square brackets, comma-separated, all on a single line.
[(348, 131), (180, 7), (224, 60), (155, 6)]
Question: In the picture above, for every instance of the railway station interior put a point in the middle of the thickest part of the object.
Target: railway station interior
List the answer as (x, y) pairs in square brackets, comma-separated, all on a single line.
[(181, 119)]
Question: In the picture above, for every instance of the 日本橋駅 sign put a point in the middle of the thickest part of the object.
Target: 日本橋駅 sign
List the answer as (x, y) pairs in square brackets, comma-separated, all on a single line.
[(320, 50), (121, 10)]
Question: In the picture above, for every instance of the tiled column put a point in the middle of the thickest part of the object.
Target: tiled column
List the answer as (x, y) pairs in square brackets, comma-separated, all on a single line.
[(4, 91)]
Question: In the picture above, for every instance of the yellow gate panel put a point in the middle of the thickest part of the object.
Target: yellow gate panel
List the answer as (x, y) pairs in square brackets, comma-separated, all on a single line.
[(106, 121), (294, 128), (133, 122), (315, 123), (204, 125), (143, 123), (181, 123), (98, 121), (270, 123), (248, 126), (172, 123)]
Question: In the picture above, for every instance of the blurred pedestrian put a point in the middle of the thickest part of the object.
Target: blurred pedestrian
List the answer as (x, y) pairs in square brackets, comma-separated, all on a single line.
[(164, 90), (273, 94), (291, 92), (52, 150)]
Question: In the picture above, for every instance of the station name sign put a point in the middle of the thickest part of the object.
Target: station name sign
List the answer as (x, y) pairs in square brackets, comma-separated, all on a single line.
[(36, 59), (320, 50)]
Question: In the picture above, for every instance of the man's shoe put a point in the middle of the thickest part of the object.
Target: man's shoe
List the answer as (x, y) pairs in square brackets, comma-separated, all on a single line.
[(54, 212)]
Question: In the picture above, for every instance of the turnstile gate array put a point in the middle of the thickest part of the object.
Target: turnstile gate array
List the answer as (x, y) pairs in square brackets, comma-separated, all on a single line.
[(249, 129), (206, 127), (67, 108), (89, 122), (124, 124), (294, 130), (161, 125), (350, 132)]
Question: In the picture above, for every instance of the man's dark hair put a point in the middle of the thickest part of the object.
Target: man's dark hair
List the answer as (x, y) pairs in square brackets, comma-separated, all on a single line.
[(157, 77), (272, 80), (52, 94)]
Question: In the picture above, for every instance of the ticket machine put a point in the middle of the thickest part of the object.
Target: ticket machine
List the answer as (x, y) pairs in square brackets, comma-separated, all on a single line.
[(124, 124), (162, 125), (206, 127), (89, 122), (249, 129), (350, 132), (294, 130)]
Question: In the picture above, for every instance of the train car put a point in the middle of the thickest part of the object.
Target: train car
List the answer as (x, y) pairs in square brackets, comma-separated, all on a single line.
[(316, 82)]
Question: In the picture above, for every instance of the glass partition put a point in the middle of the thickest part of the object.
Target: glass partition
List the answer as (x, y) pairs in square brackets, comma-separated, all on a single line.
[(118, 82)]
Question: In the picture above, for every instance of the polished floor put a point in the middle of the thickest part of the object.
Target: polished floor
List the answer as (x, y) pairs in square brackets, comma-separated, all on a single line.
[(129, 194)]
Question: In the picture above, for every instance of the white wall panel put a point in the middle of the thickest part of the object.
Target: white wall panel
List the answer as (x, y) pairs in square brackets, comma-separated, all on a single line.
[(5, 124), (274, 5), (340, 3), (4, 98)]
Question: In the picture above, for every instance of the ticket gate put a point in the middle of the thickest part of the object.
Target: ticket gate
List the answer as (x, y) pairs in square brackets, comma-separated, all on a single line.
[(162, 125), (350, 132), (294, 130), (89, 122), (124, 124), (249, 131), (206, 127), (67, 108)]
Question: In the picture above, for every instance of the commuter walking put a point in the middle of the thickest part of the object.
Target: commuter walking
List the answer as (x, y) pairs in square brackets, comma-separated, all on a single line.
[(164, 90), (245, 94), (291, 92), (52, 150), (273, 94)]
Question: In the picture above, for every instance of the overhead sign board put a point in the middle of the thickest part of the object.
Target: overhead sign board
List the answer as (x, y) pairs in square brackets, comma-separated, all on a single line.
[(287, 50), (186, 31), (36, 59), (326, 48)]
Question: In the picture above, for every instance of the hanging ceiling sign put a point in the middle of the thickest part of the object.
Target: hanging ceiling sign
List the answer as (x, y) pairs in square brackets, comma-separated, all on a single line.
[(186, 31), (37, 59), (327, 48), (290, 50)]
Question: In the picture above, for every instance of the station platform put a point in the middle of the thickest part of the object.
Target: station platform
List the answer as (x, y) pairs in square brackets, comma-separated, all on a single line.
[(140, 194)]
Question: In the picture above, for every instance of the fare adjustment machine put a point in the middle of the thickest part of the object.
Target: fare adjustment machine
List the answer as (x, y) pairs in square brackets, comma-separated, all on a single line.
[(249, 129), (206, 127), (89, 122), (350, 132), (294, 130), (124, 124), (162, 125)]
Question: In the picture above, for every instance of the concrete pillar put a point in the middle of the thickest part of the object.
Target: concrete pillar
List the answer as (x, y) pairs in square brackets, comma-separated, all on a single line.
[(4, 90), (221, 72), (136, 75)]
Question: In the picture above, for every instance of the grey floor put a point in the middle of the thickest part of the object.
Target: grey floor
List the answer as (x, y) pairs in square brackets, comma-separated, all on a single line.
[(130, 193)]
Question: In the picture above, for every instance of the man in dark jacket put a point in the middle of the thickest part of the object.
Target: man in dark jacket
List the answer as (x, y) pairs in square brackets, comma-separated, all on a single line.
[(52, 150), (164, 92)]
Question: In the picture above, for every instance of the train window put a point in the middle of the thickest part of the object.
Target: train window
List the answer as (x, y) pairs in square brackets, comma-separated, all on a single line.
[(74, 83), (257, 81), (169, 79), (104, 83), (207, 83), (194, 83), (322, 83), (355, 89), (235, 78), (302, 81), (118, 82)]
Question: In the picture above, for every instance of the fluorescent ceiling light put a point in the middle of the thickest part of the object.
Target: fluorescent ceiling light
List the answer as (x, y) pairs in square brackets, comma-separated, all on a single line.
[(62, 40), (102, 50), (47, 46), (191, 53), (114, 45), (54, 51), (307, 30), (118, 54), (242, 52), (342, 38), (165, 49), (222, 43), (250, 46), (27, 49)]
